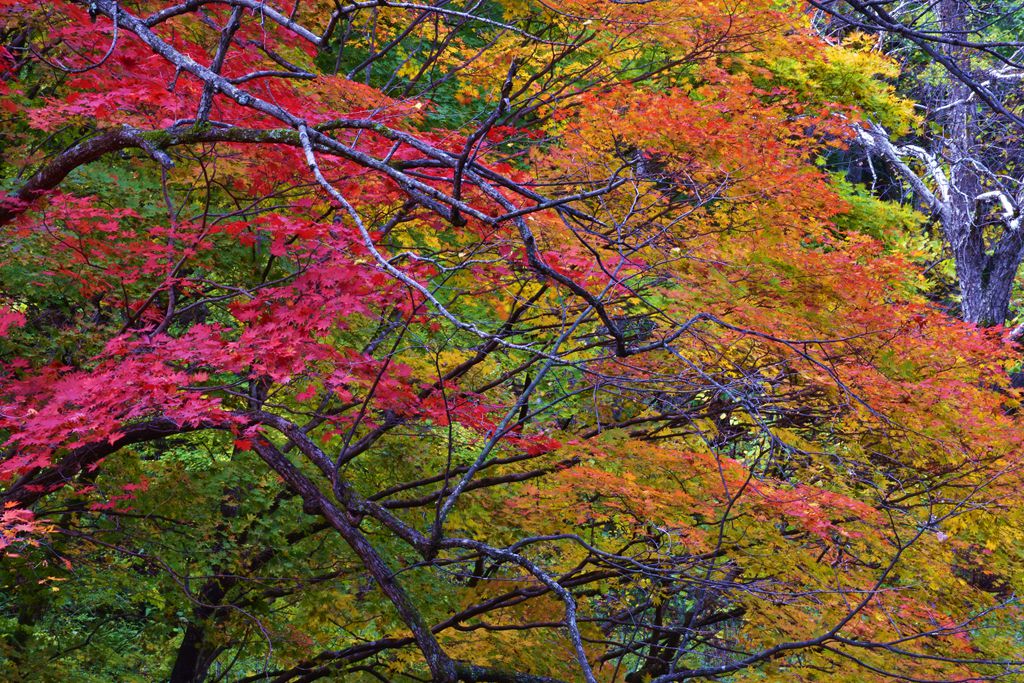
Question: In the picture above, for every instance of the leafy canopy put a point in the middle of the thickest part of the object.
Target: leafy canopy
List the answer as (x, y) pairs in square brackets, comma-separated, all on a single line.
[(480, 341)]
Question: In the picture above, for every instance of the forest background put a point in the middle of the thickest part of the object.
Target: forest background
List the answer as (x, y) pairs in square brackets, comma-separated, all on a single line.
[(511, 340)]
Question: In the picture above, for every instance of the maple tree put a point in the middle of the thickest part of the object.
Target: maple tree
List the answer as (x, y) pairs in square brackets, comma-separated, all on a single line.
[(493, 341)]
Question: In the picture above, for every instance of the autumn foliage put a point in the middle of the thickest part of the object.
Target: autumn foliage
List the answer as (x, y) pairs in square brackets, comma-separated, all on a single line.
[(480, 341)]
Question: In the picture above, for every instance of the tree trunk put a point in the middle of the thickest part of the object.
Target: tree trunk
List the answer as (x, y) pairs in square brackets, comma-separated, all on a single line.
[(986, 267), (193, 660), (195, 655)]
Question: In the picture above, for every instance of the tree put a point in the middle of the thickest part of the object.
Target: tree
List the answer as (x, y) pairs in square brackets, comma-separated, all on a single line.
[(480, 342), (963, 64)]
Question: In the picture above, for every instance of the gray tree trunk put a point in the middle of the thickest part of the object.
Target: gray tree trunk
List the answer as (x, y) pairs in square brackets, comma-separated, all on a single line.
[(959, 174), (986, 266)]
